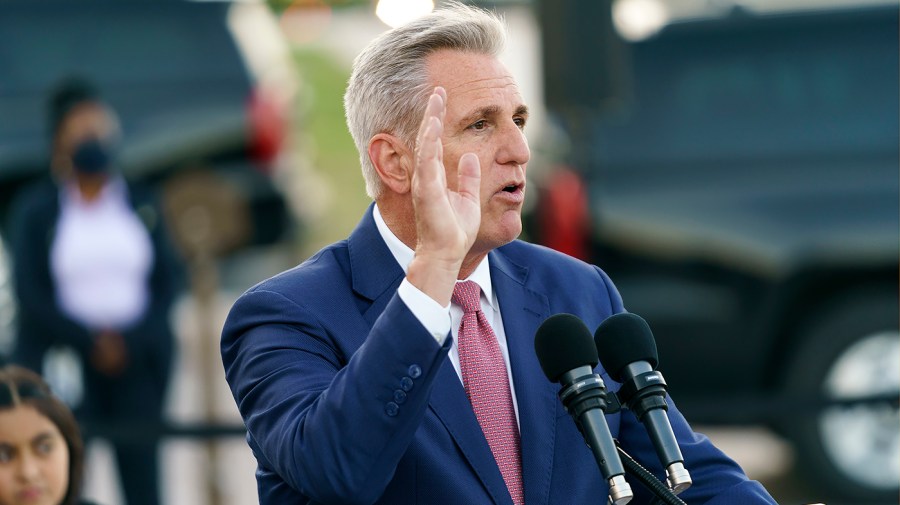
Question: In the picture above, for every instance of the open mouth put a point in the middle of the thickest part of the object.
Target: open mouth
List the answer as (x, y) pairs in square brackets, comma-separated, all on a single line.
[(513, 187), (512, 192)]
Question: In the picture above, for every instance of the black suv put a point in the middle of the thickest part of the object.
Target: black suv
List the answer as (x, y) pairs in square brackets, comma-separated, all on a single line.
[(200, 87), (743, 190)]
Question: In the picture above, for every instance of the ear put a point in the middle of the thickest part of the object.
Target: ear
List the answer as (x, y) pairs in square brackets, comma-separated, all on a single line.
[(390, 157)]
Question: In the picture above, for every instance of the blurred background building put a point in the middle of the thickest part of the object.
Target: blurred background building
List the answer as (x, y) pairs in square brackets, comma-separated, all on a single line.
[(732, 165)]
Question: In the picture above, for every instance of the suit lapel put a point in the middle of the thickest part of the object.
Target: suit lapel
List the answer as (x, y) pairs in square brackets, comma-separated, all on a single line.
[(375, 278), (374, 273), (523, 311), (451, 405)]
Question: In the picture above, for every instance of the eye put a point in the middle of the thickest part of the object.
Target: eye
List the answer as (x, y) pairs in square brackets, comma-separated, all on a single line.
[(479, 125), (520, 122), (44, 447), (6, 454)]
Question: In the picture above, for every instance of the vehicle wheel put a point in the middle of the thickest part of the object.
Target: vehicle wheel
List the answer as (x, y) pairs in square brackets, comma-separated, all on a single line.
[(850, 349)]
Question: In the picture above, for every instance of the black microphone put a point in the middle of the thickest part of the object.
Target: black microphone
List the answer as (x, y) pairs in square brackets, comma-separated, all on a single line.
[(567, 355), (628, 352)]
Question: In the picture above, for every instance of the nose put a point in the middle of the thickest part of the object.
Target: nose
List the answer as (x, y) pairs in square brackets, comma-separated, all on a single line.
[(513, 148), (28, 468)]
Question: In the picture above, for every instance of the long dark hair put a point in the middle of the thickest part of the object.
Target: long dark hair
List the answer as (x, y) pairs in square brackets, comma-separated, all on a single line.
[(20, 386)]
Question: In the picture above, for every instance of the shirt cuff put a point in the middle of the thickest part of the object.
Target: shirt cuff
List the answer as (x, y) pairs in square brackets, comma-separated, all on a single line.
[(434, 317)]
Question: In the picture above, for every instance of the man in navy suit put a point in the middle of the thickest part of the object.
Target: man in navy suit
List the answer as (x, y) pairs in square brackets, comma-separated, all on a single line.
[(346, 369)]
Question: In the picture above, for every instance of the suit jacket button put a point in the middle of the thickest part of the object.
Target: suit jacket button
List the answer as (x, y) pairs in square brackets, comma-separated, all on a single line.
[(415, 371), (391, 409), (399, 396), (406, 384)]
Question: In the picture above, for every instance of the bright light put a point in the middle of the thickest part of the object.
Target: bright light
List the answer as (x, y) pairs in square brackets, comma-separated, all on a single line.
[(639, 19), (395, 13)]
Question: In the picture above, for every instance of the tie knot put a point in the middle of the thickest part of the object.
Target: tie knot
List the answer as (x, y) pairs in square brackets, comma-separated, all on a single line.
[(468, 296)]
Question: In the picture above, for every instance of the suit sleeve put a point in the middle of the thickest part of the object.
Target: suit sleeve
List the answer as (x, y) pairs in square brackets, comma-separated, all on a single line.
[(330, 426), (30, 223), (153, 329), (717, 479)]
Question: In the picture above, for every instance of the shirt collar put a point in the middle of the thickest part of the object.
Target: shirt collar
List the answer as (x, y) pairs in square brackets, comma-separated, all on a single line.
[(404, 255), (482, 277), (400, 251)]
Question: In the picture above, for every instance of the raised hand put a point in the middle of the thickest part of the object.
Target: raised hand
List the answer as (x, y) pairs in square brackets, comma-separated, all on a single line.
[(447, 221)]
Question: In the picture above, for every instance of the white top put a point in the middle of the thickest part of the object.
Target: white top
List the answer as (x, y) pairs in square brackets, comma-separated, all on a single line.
[(101, 258), (434, 317)]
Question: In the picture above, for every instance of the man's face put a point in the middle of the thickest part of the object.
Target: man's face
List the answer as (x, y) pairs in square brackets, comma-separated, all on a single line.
[(486, 116)]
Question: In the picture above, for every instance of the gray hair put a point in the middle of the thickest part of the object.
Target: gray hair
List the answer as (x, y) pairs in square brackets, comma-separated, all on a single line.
[(389, 86)]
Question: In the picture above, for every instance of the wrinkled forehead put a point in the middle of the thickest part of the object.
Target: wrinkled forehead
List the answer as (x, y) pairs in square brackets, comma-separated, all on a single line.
[(472, 76)]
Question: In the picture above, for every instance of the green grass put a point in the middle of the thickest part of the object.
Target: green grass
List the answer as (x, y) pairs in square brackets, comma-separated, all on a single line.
[(334, 156)]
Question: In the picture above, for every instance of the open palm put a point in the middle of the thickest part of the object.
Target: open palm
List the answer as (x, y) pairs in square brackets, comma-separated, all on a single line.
[(447, 221)]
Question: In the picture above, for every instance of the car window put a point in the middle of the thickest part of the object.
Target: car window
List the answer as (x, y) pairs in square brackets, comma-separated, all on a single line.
[(776, 91), (140, 55), (112, 42)]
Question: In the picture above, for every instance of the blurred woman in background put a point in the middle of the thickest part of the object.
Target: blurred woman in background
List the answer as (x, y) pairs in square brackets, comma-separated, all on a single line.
[(94, 272)]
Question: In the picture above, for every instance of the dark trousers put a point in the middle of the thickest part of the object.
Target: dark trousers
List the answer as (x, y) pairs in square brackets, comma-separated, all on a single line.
[(128, 410)]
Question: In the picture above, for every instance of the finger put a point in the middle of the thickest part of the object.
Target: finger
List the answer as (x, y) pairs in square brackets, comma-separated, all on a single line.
[(442, 176), (441, 113), (469, 176), (429, 174), (429, 180), (434, 108), (439, 90), (439, 146), (443, 94), (430, 149)]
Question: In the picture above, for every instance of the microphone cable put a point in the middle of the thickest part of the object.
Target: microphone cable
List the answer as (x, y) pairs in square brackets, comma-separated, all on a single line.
[(663, 494)]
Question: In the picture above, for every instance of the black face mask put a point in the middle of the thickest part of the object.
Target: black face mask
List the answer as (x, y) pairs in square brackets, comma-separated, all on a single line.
[(92, 156)]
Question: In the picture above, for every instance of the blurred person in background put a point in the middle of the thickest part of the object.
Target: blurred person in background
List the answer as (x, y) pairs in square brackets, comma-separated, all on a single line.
[(94, 271), (41, 451)]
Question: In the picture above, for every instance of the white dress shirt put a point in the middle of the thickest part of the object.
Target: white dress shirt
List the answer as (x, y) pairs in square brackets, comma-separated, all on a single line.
[(438, 320), (101, 258)]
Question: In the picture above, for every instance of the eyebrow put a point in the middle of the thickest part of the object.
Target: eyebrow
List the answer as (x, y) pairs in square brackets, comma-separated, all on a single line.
[(489, 111), (42, 437)]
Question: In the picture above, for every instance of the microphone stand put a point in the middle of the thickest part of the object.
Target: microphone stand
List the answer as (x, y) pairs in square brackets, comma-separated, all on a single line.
[(663, 493)]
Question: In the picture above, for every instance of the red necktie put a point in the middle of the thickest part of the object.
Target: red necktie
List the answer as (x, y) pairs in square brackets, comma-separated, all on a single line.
[(487, 386)]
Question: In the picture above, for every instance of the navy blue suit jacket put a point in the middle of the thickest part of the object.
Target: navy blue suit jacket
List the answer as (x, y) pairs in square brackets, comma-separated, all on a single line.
[(348, 399)]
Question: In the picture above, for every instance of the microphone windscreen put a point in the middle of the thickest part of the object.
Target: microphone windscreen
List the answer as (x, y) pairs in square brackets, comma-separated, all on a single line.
[(563, 343), (623, 339)]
